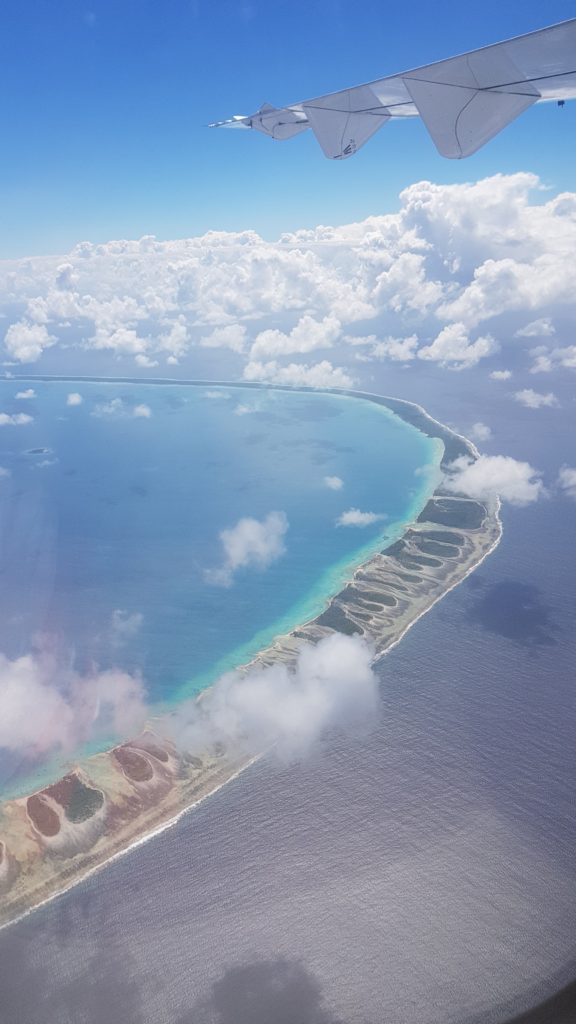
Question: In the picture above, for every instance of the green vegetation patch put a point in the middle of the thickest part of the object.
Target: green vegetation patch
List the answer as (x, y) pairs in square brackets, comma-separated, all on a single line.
[(84, 802)]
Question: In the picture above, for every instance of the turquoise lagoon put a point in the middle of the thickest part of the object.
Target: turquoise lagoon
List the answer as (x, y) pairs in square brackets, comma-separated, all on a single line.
[(109, 520)]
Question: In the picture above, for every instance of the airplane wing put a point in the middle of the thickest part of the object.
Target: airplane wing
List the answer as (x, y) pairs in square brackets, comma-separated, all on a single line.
[(463, 101)]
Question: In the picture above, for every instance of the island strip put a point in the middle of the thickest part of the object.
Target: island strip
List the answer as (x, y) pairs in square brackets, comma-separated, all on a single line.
[(112, 801)]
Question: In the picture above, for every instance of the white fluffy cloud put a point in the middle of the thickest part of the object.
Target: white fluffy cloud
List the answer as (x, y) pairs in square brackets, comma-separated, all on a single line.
[(453, 347), (354, 517), (535, 399), (250, 544), (333, 483), (501, 374), (25, 341), (74, 398), (17, 419), (233, 337), (25, 395), (451, 258), (495, 475), (567, 481), (331, 687), (480, 432), (67, 708), (543, 328), (308, 334), (316, 375), (546, 360), (116, 408)]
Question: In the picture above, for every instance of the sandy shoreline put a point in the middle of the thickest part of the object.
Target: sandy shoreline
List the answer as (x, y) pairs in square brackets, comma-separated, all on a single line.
[(114, 801)]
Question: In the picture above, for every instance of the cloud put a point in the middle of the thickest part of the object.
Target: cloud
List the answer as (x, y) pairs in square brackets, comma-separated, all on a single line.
[(450, 258), (74, 398), (122, 341), (495, 475), (308, 334), (551, 359), (125, 625), (501, 374), (250, 544), (480, 432), (26, 341), (567, 481), (543, 328), (397, 349), (333, 483), (535, 399), (25, 395), (331, 687), (68, 708), (354, 517), (233, 337), (4, 472), (145, 361), (452, 347), (17, 419), (116, 408), (142, 412), (216, 394), (317, 375)]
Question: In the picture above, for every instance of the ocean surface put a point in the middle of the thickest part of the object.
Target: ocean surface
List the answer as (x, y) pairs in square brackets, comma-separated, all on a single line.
[(112, 513), (424, 876)]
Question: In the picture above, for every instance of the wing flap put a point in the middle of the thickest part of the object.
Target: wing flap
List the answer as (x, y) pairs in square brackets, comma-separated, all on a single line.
[(278, 122), (460, 119), (344, 121)]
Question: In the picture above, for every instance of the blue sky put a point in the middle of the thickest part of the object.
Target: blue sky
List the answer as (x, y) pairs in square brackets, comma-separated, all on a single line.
[(104, 106)]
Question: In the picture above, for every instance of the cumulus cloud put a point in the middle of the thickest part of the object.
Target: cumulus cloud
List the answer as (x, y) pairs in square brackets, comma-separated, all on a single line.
[(145, 361), (550, 359), (567, 481), (480, 432), (25, 341), (495, 475), (535, 399), (142, 412), (74, 398), (451, 257), (233, 337), (543, 328), (316, 375), (17, 419), (117, 408), (250, 544), (354, 517), (308, 334), (23, 396), (333, 483), (45, 706), (452, 347), (501, 374), (331, 687)]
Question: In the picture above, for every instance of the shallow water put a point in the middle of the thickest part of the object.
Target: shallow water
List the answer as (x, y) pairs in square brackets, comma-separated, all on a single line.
[(111, 521)]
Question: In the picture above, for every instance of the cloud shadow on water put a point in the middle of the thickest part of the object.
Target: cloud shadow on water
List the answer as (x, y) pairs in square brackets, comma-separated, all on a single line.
[(266, 992), (517, 612)]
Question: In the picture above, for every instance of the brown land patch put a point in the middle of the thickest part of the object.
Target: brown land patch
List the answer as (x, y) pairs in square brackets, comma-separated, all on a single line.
[(134, 766), (43, 817)]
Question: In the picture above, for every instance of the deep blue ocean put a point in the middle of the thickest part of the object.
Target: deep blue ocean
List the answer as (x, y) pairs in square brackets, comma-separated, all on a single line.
[(424, 876)]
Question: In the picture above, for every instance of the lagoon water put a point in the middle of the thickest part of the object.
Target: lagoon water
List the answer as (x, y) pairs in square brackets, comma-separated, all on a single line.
[(113, 510), (423, 876)]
